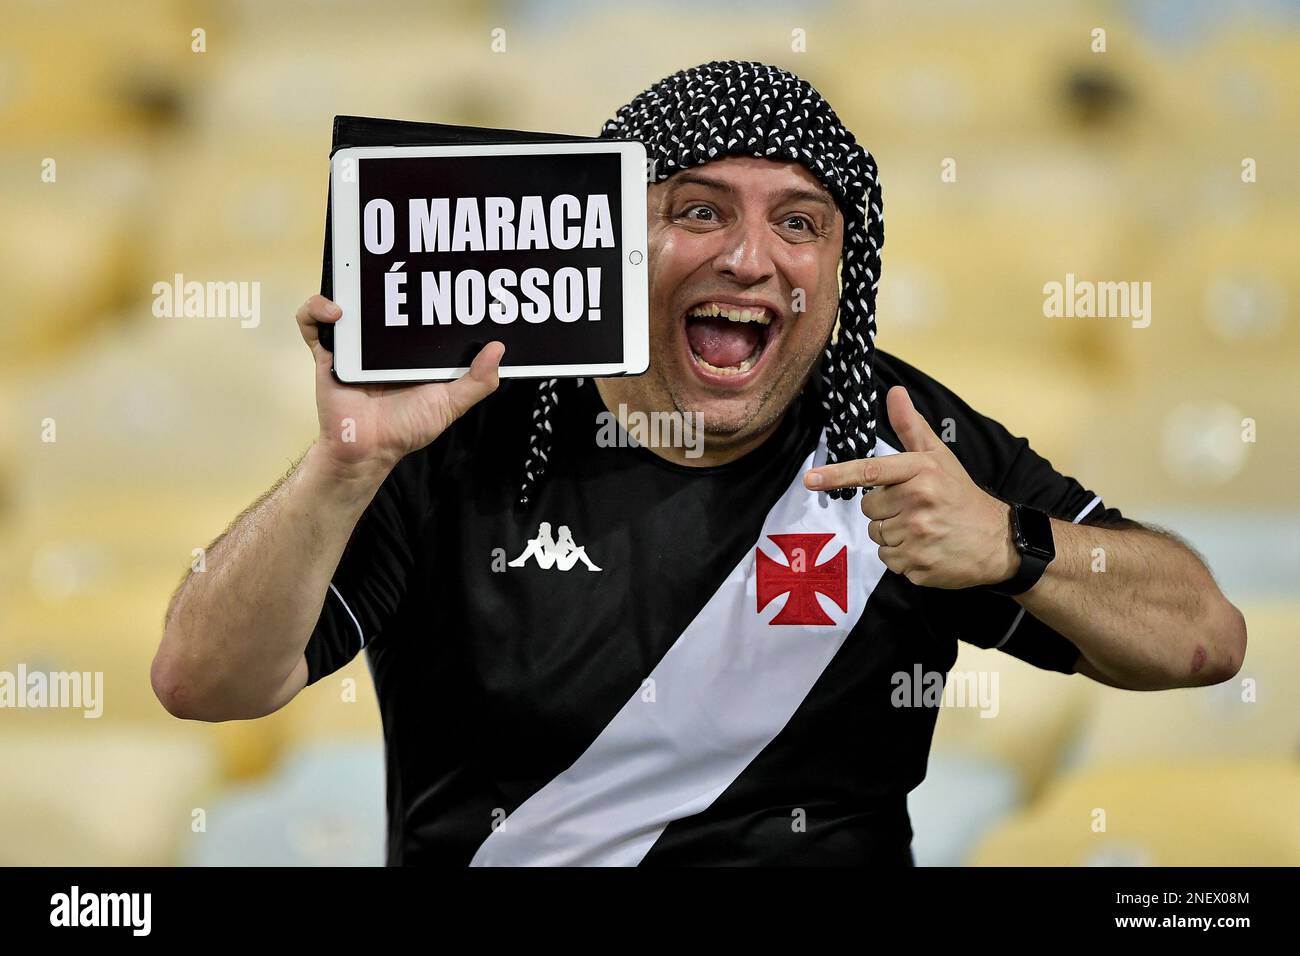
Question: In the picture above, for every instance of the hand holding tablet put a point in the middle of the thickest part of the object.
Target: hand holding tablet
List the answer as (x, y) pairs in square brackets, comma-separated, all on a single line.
[(366, 430)]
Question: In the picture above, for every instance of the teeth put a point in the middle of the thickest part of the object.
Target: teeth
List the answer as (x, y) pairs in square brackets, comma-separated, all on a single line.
[(731, 312), (740, 369)]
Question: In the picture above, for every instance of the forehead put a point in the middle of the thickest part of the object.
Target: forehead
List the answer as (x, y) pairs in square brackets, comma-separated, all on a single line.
[(748, 175)]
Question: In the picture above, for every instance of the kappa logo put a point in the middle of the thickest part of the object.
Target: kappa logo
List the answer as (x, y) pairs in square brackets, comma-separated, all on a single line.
[(802, 579), (562, 554)]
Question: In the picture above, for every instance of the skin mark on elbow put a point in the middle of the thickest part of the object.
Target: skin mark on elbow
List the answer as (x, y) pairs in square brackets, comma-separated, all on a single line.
[(1198, 659)]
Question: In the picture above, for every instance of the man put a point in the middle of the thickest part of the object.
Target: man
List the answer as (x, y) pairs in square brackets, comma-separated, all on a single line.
[(721, 691)]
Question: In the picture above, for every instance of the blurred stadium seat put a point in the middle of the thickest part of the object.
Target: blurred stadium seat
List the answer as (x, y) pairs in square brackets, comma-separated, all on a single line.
[(116, 795), (324, 806), (1227, 812)]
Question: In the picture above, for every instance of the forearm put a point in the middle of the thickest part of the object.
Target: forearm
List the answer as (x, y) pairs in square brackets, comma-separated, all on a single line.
[(235, 632), (1141, 607)]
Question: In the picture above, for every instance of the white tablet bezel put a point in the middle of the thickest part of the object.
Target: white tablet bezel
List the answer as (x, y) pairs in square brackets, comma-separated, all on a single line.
[(346, 240)]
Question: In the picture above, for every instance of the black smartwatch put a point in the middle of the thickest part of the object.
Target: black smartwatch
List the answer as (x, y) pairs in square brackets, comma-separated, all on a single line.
[(1031, 532)]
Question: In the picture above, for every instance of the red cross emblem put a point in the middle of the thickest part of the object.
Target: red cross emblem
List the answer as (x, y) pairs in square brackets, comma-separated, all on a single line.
[(803, 579)]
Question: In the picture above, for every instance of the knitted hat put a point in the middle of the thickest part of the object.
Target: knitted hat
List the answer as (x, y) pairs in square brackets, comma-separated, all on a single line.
[(742, 108)]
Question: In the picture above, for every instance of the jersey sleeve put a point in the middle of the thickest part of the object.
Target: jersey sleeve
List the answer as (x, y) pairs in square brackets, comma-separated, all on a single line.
[(1006, 466), (373, 573)]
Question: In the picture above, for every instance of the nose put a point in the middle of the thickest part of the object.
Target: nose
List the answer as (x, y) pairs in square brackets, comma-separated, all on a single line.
[(745, 257)]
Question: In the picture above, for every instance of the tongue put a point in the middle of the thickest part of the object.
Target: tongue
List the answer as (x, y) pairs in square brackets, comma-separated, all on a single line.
[(720, 342)]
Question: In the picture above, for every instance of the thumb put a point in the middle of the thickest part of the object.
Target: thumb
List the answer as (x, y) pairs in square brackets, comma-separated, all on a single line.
[(479, 382), (911, 427)]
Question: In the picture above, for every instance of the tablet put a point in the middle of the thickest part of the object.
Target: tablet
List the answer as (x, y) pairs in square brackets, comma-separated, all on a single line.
[(438, 250)]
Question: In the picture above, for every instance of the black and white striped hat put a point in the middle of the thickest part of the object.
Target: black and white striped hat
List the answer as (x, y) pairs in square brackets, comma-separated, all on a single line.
[(743, 108)]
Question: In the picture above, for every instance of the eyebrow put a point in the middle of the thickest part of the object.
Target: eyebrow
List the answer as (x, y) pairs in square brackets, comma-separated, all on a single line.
[(793, 193)]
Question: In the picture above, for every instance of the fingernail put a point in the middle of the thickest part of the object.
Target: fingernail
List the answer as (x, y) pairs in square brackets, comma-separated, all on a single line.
[(813, 480)]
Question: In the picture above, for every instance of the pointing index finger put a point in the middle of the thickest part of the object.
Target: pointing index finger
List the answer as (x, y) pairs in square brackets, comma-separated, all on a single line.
[(865, 472)]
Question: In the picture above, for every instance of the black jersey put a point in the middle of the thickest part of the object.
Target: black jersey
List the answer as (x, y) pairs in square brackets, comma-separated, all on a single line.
[(658, 663)]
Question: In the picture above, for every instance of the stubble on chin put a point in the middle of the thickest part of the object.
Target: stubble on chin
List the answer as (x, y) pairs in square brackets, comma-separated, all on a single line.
[(754, 417)]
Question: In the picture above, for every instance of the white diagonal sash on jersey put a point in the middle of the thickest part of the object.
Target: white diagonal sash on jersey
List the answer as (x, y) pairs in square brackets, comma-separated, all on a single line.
[(722, 692)]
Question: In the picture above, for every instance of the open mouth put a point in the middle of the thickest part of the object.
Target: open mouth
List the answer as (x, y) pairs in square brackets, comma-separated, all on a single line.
[(727, 340)]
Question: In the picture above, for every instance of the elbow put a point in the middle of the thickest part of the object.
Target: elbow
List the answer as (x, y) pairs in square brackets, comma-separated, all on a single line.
[(1235, 640), (199, 688), (173, 687), (1227, 641), (170, 689)]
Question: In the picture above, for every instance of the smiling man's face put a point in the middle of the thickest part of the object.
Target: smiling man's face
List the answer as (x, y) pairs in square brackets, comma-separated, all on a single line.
[(736, 246)]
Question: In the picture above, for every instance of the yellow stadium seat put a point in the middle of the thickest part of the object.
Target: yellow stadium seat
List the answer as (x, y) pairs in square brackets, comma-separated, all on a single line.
[(97, 795), (1158, 813), (1209, 437)]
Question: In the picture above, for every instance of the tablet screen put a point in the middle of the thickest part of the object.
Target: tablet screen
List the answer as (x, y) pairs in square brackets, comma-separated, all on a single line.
[(457, 251)]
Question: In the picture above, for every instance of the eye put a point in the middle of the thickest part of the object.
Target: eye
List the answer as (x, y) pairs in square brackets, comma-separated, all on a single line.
[(687, 213), (807, 223)]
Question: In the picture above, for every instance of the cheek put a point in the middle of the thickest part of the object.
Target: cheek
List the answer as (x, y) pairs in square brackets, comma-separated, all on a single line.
[(666, 274), (672, 258), (821, 298)]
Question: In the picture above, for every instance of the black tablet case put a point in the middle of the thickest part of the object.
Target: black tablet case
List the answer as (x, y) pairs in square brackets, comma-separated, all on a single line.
[(372, 131)]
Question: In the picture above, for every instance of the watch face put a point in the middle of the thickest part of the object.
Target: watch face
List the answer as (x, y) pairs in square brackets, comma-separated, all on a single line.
[(1034, 531)]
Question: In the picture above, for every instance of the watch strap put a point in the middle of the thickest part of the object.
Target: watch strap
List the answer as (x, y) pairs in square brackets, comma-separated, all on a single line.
[(1032, 564)]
